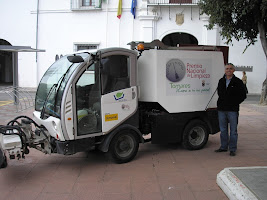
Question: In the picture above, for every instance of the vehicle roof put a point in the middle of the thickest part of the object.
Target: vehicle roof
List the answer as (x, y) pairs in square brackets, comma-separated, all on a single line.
[(106, 50)]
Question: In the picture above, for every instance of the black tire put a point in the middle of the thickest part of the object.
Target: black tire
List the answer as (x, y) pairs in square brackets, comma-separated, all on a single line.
[(124, 146), (3, 160), (195, 135)]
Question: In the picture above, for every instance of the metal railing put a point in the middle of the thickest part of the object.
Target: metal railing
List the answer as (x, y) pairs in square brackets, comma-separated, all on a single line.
[(172, 2), (21, 98), (77, 5)]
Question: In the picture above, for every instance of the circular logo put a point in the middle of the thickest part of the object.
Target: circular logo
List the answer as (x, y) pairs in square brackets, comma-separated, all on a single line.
[(175, 70)]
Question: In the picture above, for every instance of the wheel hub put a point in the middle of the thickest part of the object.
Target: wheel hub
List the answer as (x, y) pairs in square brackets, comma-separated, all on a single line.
[(194, 135), (124, 146), (197, 136)]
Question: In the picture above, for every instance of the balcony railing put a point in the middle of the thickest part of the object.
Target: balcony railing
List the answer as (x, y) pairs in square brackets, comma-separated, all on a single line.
[(85, 4), (173, 2)]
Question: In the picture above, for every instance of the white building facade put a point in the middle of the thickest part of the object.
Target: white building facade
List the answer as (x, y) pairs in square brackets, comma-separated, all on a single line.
[(63, 26)]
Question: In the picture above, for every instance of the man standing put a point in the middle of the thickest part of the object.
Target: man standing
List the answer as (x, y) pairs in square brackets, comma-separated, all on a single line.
[(231, 93)]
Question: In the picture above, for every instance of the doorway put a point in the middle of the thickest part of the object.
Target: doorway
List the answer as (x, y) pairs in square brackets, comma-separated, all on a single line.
[(179, 38), (6, 69)]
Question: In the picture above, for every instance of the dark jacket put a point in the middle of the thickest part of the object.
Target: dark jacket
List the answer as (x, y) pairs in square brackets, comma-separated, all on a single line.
[(232, 96)]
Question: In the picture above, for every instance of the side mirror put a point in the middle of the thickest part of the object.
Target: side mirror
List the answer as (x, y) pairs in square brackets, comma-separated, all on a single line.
[(75, 59)]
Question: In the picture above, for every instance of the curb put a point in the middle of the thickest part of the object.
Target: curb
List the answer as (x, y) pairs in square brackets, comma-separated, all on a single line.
[(233, 187)]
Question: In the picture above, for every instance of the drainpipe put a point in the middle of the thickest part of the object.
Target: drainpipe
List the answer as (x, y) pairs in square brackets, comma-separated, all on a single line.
[(107, 7)]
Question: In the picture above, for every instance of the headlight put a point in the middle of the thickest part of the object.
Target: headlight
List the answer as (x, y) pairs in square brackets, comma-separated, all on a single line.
[(54, 125)]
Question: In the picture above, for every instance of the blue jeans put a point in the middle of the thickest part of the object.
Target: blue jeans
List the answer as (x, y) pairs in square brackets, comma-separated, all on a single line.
[(225, 118)]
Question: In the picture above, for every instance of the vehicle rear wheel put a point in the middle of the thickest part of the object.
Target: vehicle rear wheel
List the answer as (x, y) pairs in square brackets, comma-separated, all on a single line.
[(124, 146), (195, 135)]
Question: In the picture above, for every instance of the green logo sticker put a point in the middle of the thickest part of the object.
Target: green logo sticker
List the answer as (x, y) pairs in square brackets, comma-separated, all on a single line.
[(119, 96)]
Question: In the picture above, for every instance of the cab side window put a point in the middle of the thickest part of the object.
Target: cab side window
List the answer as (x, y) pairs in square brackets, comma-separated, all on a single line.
[(115, 73)]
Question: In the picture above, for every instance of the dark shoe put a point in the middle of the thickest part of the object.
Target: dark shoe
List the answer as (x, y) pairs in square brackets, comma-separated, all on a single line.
[(221, 150), (232, 153)]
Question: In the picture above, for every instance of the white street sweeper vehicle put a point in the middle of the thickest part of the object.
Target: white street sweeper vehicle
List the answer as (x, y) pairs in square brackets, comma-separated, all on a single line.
[(110, 99)]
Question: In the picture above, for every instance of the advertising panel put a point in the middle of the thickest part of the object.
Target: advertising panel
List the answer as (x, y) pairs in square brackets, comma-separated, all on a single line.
[(188, 77)]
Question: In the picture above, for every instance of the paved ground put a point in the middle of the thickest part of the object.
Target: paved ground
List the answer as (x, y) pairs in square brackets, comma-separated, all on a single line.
[(164, 172)]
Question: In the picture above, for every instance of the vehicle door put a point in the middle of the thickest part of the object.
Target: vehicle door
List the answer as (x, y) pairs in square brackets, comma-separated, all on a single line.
[(118, 88)]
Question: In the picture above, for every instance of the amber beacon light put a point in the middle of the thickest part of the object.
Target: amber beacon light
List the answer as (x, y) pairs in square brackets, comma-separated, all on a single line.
[(140, 47)]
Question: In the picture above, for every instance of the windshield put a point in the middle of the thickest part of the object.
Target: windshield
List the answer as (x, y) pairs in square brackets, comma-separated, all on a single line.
[(52, 85)]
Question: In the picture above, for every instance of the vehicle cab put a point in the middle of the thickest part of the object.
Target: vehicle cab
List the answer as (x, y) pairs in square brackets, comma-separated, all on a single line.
[(86, 95)]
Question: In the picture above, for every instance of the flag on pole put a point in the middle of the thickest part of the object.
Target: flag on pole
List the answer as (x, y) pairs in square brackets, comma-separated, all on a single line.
[(119, 9), (133, 7)]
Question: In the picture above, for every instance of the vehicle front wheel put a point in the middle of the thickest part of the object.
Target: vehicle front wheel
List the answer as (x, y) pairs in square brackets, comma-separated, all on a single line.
[(195, 135), (124, 146), (3, 160)]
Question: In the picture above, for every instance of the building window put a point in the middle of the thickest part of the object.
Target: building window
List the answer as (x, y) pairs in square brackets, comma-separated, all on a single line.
[(181, 1), (85, 46), (87, 2), (77, 5)]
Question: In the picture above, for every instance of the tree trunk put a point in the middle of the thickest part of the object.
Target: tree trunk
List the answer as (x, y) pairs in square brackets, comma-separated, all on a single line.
[(263, 99), (262, 31)]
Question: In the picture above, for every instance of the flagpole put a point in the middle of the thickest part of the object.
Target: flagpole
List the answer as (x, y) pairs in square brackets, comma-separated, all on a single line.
[(119, 31), (133, 31)]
